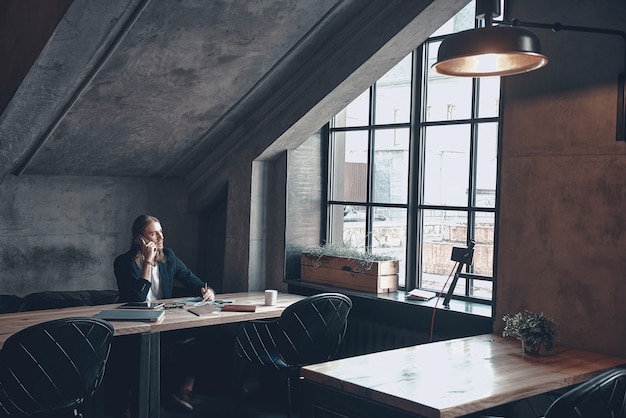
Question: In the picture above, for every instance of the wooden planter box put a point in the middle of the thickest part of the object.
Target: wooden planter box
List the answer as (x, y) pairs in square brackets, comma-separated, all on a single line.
[(379, 277)]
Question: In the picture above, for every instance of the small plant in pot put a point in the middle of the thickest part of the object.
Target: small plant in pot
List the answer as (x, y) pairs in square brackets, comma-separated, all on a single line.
[(533, 329)]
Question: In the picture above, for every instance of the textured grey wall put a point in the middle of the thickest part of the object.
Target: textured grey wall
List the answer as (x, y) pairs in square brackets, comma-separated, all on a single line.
[(62, 233), (563, 190)]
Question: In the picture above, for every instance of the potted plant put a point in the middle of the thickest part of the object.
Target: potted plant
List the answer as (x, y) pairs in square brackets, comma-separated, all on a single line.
[(533, 329), (338, 264)]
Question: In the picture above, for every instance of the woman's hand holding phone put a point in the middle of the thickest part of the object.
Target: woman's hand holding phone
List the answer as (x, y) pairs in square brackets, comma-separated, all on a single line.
[(148, 249)]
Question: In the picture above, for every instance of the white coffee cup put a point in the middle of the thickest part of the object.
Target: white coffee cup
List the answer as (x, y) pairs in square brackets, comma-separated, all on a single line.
[(271, 297)]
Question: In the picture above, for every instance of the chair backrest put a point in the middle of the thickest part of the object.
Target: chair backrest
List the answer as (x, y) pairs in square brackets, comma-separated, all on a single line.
[(54, 365), (599, 397), (313, 328)]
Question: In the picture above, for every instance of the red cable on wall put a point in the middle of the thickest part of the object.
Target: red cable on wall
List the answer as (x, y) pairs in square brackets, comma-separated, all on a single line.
[(432, 321)]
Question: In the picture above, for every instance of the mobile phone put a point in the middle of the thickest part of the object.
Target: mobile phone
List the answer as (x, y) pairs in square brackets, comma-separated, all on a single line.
[(140, 240), (142, 305)]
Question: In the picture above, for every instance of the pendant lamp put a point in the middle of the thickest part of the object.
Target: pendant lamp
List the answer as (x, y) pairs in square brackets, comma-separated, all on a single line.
[(490, 51), (507, 49)]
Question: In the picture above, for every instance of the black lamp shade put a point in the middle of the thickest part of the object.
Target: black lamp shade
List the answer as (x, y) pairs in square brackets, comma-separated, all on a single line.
[(489, 51)]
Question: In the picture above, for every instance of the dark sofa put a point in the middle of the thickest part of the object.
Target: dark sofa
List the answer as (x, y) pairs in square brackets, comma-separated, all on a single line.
[(51, 299)]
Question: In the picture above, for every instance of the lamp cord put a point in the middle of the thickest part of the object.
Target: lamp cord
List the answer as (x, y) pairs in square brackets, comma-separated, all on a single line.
[(432, 320)]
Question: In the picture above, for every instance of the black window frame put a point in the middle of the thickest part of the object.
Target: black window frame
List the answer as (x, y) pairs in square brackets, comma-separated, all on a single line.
[(415, 195)]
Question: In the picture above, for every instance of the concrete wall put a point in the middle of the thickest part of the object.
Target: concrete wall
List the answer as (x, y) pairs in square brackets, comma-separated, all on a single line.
[(62, 233), (562, 211), (304, 222)]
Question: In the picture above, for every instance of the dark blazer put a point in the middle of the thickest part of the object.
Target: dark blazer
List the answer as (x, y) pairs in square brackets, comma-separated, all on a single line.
[(133, 288)]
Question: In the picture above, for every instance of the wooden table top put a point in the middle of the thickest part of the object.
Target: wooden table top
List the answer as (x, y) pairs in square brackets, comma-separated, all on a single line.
[(458, 377), (174, 318), (181, 318)]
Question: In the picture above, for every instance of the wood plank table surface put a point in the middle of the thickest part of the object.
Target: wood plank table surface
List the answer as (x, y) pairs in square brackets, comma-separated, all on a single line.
[(181, 318), (174, 319), (13, 322), (457, 377)]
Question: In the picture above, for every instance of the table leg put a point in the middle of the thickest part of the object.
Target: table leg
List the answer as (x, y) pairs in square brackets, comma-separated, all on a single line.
[(149, 375)]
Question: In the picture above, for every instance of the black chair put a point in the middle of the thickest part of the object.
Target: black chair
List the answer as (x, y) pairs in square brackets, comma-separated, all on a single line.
[(50, 369), (600, 397), (309, 331)]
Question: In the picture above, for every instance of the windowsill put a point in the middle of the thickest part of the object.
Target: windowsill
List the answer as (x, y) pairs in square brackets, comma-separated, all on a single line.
[(459, 306)]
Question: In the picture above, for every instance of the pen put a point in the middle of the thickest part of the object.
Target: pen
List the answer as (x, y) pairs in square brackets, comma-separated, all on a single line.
[(205, 292)]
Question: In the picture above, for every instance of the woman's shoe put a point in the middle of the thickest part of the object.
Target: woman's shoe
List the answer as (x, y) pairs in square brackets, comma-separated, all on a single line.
[(182, 398)]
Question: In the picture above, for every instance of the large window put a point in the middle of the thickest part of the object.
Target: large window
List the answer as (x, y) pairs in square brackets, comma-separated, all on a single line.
[(413, 164)]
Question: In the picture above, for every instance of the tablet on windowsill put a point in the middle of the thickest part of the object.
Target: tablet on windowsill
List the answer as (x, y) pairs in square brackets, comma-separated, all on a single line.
[(142, 305)]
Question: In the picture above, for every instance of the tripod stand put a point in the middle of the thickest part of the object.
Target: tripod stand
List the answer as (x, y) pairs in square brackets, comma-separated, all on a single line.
[(463, 256)]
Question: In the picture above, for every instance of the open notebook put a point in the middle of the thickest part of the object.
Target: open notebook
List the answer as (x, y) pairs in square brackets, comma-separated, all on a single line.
[(131, 315)]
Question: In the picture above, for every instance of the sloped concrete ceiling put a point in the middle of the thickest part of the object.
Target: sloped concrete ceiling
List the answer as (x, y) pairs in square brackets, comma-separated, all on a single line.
[(180, 68), (157, 88)]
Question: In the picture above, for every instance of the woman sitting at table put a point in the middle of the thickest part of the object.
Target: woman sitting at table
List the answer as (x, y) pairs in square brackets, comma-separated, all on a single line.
[(146, 272)]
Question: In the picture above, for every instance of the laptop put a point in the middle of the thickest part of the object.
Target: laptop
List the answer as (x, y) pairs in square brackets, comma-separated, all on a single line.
[(131, 315)]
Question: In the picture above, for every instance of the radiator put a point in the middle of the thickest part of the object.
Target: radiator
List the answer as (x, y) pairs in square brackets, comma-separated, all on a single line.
[(367, 336)]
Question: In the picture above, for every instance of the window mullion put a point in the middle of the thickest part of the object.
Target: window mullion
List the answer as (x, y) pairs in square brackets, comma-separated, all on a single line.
[(370, 169), (414, 229)]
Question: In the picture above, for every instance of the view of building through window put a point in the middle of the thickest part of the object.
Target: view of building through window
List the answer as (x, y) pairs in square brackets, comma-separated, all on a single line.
[(436, 161)]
